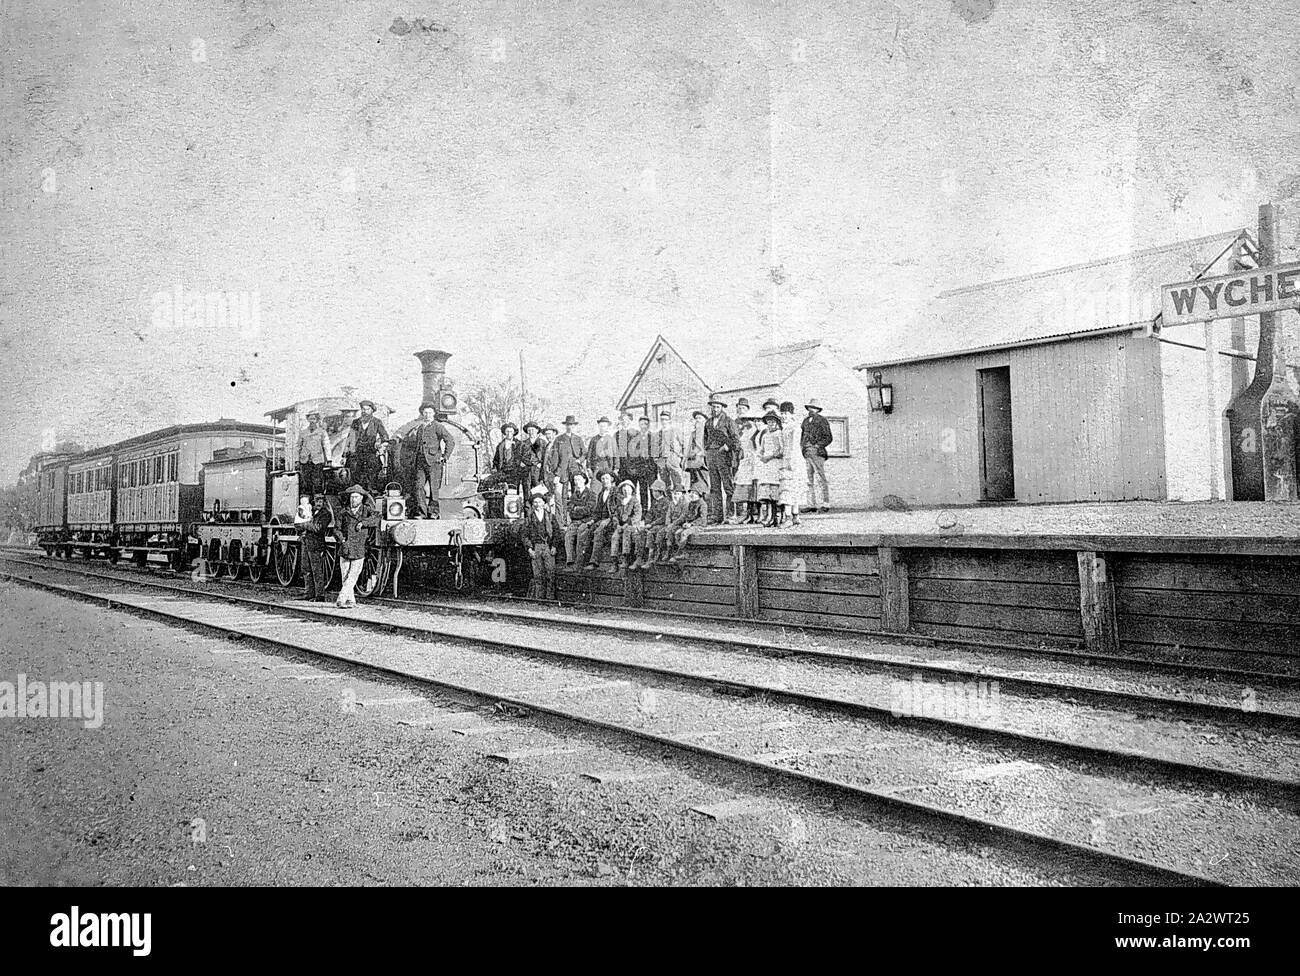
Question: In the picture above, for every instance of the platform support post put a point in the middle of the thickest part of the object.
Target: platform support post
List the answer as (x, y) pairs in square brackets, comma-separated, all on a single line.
[(634, 589), (1097, 604), (746, 582), (895, 608)]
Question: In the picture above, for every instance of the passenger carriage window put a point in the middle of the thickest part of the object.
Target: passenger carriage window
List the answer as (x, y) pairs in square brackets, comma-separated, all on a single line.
[(171, 466), (158, 470)]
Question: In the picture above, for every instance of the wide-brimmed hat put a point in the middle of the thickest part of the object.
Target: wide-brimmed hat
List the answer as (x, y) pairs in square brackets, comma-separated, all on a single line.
[(604, 420), (358, 490), (368, 403), (570, 419), (509, 424), (773, 416), (665, 415), (626, 482), (771, 402), (533, 424), (742, 402), (813, 404), (697, 412), (718, 400), (552, 428)]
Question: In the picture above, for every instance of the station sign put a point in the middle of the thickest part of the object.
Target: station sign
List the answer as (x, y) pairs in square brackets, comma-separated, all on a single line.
[(1246, 292)]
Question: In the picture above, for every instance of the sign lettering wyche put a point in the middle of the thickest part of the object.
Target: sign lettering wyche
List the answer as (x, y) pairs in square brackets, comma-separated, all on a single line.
[(1243, 293)]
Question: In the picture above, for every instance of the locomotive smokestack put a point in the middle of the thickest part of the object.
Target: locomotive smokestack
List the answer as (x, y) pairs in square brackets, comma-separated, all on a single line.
[(433, 366)]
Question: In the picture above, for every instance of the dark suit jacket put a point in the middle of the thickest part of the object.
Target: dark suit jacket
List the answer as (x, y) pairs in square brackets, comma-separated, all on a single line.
[(432, 443)]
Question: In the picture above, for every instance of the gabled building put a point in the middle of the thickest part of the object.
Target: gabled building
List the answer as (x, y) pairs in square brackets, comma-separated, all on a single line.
[(813, 370), (664, 381), (1061, 386)]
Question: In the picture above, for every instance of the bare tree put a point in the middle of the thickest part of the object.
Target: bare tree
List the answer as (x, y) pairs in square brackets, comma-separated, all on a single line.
[(487, 402)]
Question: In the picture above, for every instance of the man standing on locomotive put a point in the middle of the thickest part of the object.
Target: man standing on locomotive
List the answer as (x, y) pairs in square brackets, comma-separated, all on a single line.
[(365, 440), (313, 455), (433, 443)]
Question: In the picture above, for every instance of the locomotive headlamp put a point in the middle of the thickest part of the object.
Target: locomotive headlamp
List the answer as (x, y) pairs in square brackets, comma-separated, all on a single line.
[(394, 503), (447, 402)]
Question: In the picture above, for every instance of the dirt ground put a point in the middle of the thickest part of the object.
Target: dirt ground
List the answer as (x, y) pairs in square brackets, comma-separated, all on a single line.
[(220, 764)]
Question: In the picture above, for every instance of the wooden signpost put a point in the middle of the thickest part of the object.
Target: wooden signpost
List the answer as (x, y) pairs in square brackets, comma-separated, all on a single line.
[(1264, 418)]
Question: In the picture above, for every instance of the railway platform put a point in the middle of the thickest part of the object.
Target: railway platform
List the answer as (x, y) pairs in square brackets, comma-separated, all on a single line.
[(1217, 583)]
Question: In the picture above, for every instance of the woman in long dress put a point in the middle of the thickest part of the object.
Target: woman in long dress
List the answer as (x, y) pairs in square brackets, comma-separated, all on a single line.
[(788, 498), (768, 468), (746, 486)]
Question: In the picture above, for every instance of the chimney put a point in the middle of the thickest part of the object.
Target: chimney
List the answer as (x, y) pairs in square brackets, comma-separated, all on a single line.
[(433, 366)]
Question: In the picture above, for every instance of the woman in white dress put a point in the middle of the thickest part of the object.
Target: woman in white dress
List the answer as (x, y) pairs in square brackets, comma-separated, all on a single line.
[(770, 451)]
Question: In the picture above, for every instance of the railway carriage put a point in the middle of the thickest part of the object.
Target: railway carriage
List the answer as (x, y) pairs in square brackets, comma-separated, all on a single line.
[(90, 504), (159, 484), (52, 503)]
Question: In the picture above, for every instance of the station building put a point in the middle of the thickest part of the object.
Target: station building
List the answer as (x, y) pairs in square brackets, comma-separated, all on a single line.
[(1062, 387)]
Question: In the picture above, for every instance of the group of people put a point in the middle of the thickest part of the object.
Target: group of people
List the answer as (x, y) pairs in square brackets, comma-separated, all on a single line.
[(634, 495), (317, 517), (370, 455)]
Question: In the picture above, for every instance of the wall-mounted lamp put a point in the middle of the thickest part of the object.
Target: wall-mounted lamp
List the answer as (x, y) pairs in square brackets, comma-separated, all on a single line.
[(881, 394)]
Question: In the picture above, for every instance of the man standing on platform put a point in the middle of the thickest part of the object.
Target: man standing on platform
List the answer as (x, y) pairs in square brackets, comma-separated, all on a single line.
[(313, 455), (814, 439), (602, 452), (570, 452), (433, 443), (671, 452), (719, 447), (365, 440)]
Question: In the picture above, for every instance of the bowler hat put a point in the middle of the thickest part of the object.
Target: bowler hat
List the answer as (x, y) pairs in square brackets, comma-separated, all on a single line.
[(771, 402), (368, 403), (665, 415), (570, 419), (813, 404), (718, 400), (510, 425), (552, 428), (742, 402), (604, 420), (699, 413), (532, 424), (643, 420)]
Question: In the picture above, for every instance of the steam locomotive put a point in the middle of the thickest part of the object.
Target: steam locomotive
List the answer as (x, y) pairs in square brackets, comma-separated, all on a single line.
[(221, 497)]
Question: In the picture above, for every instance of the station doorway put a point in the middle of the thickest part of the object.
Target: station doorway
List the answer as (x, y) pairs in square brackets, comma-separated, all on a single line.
[(997, 462)]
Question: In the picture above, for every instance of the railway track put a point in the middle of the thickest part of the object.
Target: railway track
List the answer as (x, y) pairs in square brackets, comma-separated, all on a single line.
[(851, 780)]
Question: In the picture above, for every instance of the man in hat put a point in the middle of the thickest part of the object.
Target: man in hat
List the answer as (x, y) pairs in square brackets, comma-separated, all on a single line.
[(532, 453), (314, 522), (719, 449), (366, 440), (624, 438), (697, 472), (602, 451), (505, 460), (627, 522), (604, 520), (313, 455), (814, 438), (670, 453), (355, 520), (432, 444), (581, 508), (570, 451), (641, 467), (541, 540)]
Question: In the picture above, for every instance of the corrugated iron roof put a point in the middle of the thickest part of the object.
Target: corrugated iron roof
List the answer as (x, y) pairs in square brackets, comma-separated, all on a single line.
[(1098, 296), (770, 367)]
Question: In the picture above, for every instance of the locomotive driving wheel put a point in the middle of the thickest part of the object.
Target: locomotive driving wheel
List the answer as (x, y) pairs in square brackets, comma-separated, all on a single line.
[(374, 572), (286, 562)]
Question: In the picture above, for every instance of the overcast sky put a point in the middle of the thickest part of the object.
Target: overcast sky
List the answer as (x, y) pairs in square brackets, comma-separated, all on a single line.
[(572, 178)]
